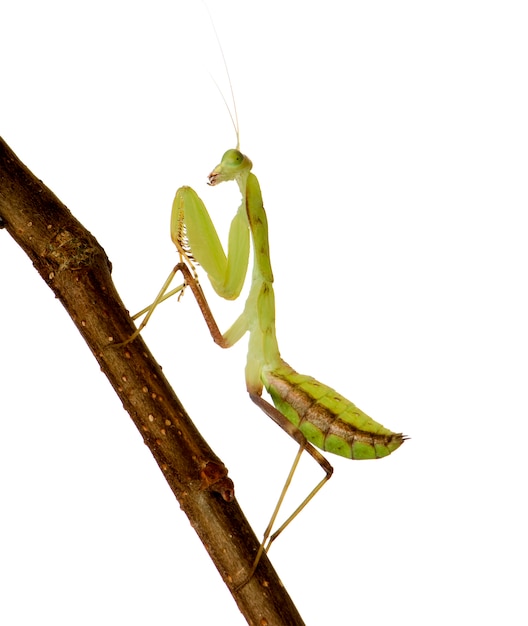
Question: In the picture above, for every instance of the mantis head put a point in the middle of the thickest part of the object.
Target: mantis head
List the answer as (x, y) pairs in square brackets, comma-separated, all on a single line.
[(234, 166)]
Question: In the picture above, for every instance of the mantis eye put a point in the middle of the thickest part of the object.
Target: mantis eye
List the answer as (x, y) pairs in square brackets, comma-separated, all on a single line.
[(232, 158)]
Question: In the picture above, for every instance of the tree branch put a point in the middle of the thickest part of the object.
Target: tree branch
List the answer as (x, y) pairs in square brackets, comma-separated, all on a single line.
[(77, 270)]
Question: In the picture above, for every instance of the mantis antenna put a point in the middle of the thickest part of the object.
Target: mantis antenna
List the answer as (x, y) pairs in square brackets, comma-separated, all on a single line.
[(234, 118)]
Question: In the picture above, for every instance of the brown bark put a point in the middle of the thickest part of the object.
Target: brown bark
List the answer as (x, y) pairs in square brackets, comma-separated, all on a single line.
[(76, 268)]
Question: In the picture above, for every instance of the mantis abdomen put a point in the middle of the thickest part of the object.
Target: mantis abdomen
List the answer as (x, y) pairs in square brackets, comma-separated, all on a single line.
[(327, 419)]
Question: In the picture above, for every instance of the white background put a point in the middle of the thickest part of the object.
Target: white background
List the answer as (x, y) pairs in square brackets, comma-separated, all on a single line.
[(390, 140)]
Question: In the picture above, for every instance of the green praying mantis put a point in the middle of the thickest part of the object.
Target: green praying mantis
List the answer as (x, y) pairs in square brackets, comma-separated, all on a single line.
[(313, 414)]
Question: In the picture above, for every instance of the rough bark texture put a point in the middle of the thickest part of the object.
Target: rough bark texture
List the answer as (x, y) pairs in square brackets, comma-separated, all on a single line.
[(76, 268)]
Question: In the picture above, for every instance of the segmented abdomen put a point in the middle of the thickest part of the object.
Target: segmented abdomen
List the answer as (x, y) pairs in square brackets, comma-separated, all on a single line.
[(329, 421)]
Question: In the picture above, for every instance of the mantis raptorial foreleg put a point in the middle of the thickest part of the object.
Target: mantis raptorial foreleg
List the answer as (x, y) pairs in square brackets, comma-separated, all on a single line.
[(190, 221)]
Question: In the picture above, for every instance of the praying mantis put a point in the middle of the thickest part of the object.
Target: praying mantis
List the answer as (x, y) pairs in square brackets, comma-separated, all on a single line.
[(313, 414)]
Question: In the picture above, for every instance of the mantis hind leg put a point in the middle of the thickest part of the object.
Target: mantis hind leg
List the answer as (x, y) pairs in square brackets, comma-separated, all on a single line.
[(304, 445)]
